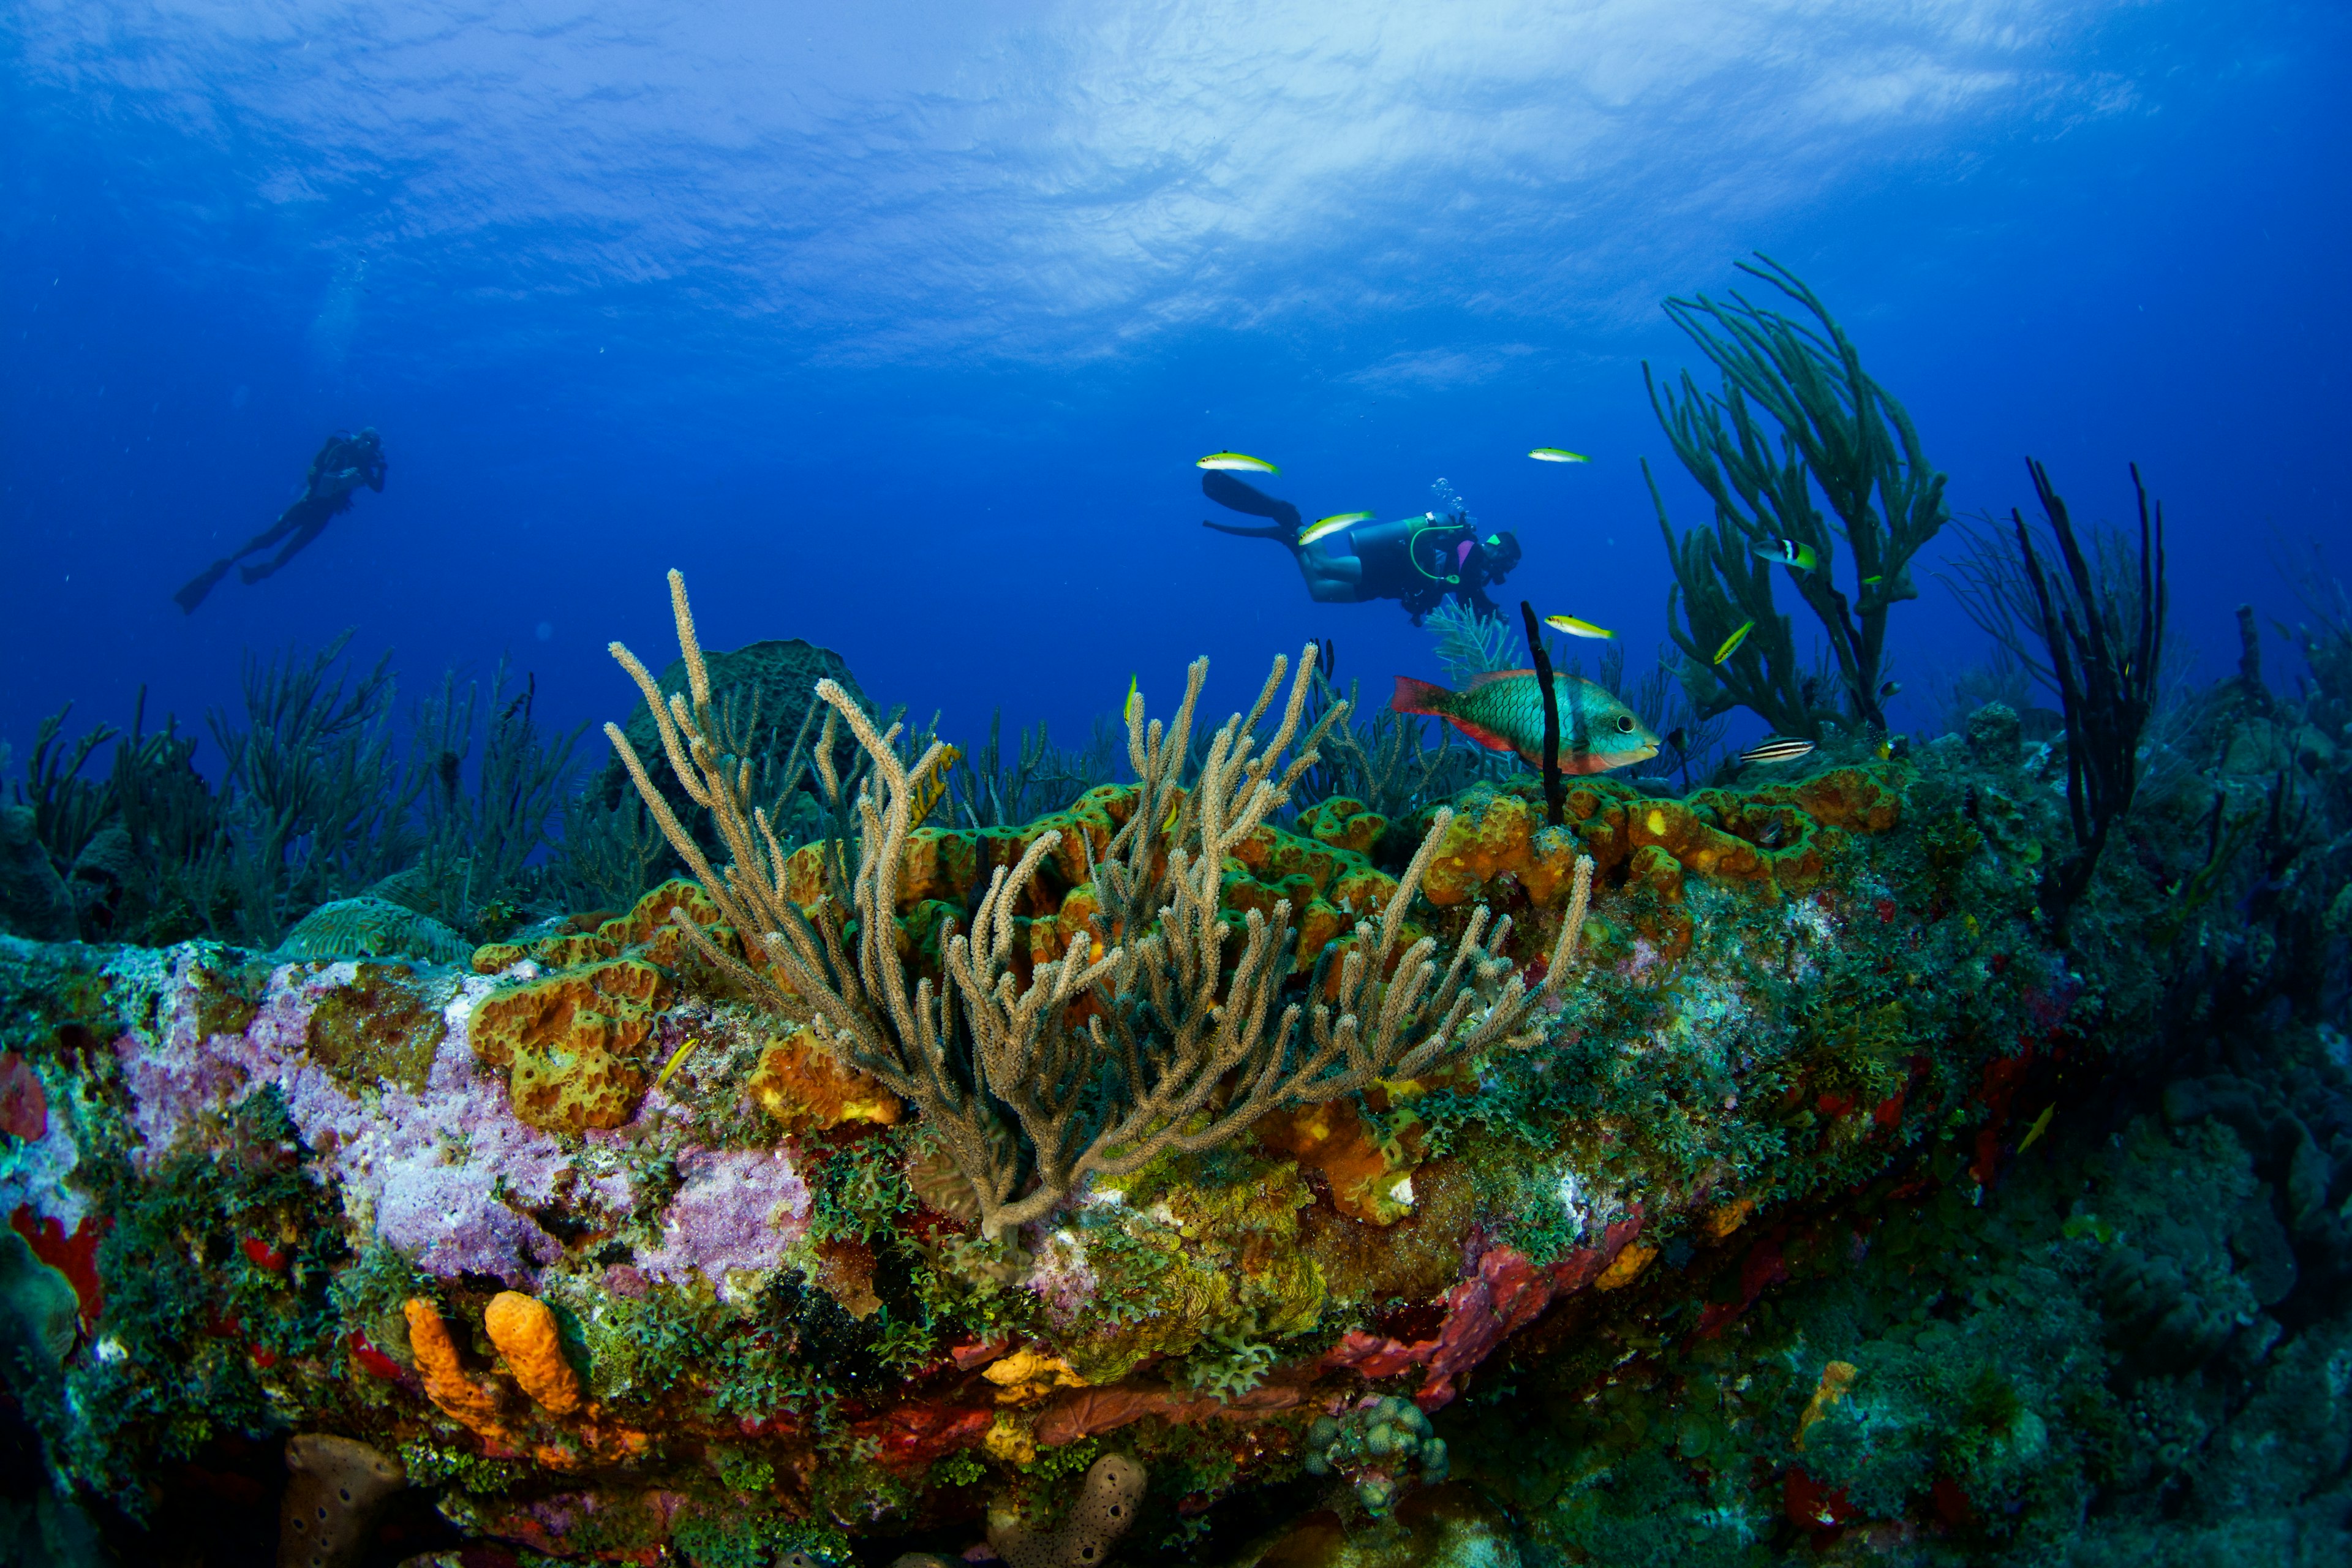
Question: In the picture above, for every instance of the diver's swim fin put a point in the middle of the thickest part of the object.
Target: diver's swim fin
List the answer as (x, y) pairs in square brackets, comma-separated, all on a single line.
[(1281, 535), (193, 592), (1234, 496)]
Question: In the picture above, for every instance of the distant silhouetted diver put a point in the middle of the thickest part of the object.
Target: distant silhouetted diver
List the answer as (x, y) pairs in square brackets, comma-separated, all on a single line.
[(343, 464), (1417, 561)]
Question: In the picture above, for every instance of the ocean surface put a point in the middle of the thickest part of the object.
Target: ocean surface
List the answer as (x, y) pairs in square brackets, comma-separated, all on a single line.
[(899, 327)]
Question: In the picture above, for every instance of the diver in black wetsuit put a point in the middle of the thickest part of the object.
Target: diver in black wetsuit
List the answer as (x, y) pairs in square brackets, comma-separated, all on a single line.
[(343, 464), (1417, 561)]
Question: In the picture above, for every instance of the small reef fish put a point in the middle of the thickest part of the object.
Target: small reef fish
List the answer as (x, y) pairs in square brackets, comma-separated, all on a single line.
[(934, 787), (1873, 579), (1126, 708), (1237, 462), (1779, 749), (1577, 629), (1323, 527), (1789, 554), (1503, 711), (1731, 644), (2040, 1125), (677, 1056), (1557, 455)]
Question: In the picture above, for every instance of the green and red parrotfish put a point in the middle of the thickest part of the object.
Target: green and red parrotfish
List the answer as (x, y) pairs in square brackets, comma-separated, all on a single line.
[(1504, 712)]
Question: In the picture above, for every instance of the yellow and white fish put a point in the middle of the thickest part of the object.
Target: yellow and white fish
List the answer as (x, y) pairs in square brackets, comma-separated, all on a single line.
[(1324, 527), (1577, 629)]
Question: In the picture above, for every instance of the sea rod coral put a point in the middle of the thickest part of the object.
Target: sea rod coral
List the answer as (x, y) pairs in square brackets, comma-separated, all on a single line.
[(1155, 1028)]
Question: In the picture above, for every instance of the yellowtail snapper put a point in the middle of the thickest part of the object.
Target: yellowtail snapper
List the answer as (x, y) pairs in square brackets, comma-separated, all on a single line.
[(1577, 629), (1777, 749), (1731, 644), (1503, 711), (1240, 462), (1323, 527), (1789, 554)]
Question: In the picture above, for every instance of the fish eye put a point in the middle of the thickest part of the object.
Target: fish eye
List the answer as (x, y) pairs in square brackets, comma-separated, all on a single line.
[(1625, 724)]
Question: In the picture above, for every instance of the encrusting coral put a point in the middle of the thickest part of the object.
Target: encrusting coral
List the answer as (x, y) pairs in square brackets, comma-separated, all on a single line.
[(1161, 1027)]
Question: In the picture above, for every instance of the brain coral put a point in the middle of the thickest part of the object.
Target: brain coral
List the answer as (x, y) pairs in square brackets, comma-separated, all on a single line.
[(373, 928)]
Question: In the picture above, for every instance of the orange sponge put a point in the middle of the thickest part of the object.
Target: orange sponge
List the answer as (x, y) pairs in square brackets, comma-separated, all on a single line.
[(525, 1332), (446, 1382)]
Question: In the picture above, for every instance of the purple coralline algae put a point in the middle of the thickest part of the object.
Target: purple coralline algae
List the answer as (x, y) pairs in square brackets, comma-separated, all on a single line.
[(737, 1212), (446, 1176)]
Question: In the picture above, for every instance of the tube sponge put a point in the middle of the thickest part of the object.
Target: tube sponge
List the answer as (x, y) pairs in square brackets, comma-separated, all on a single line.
[(471, 1402), (338, 1484), (1106, 1507), (525, 1332)]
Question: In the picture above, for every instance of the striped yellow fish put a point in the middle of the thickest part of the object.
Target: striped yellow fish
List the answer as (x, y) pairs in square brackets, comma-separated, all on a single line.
[(1731, 644)]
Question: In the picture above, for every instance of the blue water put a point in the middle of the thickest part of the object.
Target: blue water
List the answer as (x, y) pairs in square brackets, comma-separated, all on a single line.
[(897, 327)]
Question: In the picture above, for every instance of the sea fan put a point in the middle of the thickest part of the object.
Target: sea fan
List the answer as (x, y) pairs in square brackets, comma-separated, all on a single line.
[(1470, 644)]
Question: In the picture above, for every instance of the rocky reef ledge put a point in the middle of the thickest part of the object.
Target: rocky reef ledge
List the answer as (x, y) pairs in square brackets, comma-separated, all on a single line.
[(574, 1250)]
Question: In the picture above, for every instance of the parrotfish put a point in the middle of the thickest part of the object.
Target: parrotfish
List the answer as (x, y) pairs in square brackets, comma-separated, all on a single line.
[(1556, 455), (1504, 712), (1236, 461), (1731, 644)]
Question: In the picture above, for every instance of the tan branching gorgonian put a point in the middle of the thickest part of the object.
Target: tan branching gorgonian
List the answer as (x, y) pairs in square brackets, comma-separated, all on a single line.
[(1139, 1039)]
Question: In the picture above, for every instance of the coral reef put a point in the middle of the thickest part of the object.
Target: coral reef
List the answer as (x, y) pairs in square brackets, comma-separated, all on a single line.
[(1155, 1027), (1726, 1177)]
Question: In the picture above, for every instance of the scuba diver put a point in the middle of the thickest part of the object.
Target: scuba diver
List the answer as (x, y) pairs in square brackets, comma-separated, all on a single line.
[(1417, 561), (343, 464)]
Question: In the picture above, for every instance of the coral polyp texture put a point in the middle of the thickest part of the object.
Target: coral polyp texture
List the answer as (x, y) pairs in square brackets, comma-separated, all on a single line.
[(1069, 1188)]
